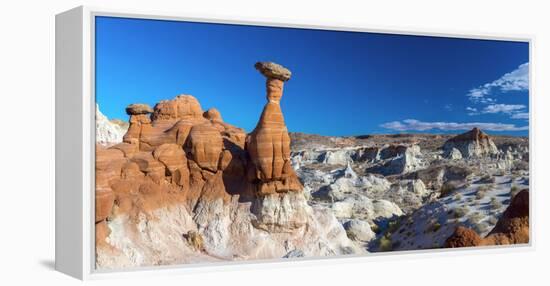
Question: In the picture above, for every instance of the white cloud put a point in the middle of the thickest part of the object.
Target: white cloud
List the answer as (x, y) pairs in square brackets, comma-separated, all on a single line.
[(472, 110), (448, 107), (520, 115), (503, 108), (516, 80), (416, 125)]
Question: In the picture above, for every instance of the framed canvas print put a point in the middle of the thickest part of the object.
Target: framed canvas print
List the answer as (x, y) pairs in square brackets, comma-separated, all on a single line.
[(186, 142)]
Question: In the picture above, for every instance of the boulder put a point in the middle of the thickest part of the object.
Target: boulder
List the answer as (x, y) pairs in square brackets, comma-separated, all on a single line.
[(454, 154), (183, 107), (273, 71), (213, 114), (359, 230), (463, 237), (138, 109)]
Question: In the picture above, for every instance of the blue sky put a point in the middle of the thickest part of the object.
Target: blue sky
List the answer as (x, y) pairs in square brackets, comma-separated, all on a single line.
[(343, 83)]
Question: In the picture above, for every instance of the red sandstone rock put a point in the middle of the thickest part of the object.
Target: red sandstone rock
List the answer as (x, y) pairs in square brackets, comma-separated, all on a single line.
[(182, 107), (138, 108), (205, 144), (269, 144), (213, 114), (513, 226), (463, 237), (182, 155)]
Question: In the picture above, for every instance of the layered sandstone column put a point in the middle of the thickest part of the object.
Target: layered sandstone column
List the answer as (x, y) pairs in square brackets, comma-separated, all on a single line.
[(269, 144), (139, 116)]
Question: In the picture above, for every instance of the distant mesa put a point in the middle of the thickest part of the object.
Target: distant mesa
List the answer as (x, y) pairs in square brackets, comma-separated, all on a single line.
[(474, 143)]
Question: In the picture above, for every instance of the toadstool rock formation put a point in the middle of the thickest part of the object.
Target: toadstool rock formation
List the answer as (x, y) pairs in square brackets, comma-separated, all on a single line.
[(474, 143), (269, 144)]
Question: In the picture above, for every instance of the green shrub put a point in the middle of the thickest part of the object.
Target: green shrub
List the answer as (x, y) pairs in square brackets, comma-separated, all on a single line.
[(481, 228), (514, 190), (435, 227), (481, 191), (495, 203), (386, 243), (475, 218), (459, 212)]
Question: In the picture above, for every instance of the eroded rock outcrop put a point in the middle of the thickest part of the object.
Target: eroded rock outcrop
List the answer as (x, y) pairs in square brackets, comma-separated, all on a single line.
[(182, 171), (269, 144), (511, 228), (474, 143)]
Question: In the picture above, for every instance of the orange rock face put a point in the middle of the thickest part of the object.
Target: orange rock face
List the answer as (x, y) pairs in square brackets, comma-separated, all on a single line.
[(463, 237), (511, 228), (205, 144), (181, 107)]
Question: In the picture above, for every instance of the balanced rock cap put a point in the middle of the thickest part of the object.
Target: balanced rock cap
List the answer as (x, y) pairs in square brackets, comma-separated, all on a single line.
[(273, 70), (138, 108)]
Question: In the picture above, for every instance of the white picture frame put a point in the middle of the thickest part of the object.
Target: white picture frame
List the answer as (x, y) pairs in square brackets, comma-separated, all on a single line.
[(75, 141)]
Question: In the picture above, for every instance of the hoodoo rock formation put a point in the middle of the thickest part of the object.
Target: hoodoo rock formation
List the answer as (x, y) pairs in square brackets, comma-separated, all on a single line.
[(511, 228), (181, 170), (269, 144), (474, 143)]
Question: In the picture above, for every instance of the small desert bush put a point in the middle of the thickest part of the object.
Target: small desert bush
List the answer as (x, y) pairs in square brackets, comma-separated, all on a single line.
[(386, 243), (495, 203), (435, 227), (475, 218), (481, 228), (458, 197), (486, 179), (492, 220), (514, 190), (195, 240), (459, 212), (481, 191), (520, 166)]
